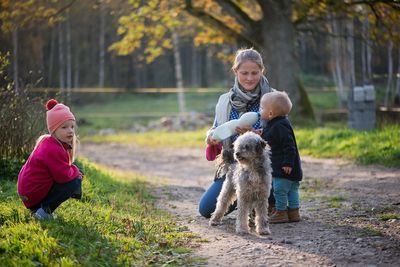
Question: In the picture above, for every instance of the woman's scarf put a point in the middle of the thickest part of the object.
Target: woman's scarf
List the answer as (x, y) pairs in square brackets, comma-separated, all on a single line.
[(241, 100)]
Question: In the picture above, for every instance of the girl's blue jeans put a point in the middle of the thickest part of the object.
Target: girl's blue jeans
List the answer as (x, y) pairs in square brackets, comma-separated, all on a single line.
[(286, 193), (208, 201)]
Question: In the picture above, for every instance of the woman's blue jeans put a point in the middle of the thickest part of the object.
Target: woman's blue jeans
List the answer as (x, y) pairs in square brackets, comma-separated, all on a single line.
[(208, 201)]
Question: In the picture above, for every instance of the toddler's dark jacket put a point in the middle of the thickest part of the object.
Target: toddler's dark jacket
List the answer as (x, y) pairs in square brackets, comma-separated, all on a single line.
[(280, 137)]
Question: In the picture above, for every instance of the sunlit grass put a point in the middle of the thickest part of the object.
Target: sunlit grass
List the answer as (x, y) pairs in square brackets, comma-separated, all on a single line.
[(191, 139), (116, 223), (123, 111), (380, 146), (389, 216)]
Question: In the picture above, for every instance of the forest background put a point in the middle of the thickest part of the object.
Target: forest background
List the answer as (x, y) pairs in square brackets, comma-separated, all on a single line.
[(159, 63), (80, 51)]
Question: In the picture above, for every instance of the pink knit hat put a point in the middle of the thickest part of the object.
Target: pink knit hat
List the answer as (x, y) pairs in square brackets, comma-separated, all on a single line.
[(57, 114)]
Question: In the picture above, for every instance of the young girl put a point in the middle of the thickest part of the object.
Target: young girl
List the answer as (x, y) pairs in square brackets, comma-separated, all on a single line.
[(249, 86), (48, 178)]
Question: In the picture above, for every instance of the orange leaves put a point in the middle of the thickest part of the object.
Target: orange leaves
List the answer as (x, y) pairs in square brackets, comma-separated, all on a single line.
[(23, 13), (148, 27)]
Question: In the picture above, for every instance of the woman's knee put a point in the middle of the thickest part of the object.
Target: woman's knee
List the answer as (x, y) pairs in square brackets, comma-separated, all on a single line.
[(205, 208), (208, 201)]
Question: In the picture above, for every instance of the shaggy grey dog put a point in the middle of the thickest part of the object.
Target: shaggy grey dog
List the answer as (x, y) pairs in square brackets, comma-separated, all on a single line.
[(249, 181)]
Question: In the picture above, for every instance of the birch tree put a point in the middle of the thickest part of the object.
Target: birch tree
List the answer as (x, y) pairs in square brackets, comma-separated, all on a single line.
[(160, 22), (389, 73), (397, 94), (102, 49)]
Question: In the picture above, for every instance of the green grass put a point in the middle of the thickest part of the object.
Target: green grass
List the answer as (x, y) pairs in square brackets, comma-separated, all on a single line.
[(122, 111), (323, 100), (335, 202), (369, 231), (116, 223), (154, 139), (389, 216), (380, 146)]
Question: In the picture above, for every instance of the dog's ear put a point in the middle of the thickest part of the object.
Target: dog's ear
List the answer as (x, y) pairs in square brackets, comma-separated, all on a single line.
[(263, 143)]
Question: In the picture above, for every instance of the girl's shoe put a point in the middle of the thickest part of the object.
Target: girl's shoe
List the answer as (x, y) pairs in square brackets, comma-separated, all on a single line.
[(42, 215)]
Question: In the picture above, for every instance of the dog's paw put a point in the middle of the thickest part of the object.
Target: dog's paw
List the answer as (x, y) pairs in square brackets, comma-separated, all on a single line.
[(214, 222), (264, 231)]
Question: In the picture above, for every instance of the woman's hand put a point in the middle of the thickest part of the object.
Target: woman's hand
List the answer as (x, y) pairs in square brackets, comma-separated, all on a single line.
[(242, 130), (212, 141)]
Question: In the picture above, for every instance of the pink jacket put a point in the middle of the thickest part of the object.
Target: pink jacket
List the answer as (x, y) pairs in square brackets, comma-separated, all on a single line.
[(48, 164)]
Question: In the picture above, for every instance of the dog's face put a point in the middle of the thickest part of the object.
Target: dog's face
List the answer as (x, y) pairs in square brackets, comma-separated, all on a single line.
[(249, 147)]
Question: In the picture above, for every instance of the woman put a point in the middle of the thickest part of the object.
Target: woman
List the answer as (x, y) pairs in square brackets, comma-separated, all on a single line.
[(250, 85)]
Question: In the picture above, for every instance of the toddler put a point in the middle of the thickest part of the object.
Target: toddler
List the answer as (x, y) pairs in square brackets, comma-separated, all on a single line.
[(285, 158)]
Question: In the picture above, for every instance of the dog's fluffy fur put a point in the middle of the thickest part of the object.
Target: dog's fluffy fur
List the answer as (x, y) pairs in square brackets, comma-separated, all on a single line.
[(249, 181)]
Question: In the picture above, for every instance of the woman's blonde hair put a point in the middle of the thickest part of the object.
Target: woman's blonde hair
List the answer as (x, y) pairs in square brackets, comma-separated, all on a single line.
[(74, 145), (249, 54)]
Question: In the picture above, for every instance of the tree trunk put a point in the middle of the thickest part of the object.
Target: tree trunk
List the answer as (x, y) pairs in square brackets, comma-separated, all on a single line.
[(101, 45), (51, 58), (364, 41), (69, 60), (279, 51), (336, 58), (194, 67), (209, 68), (397, 96), (350, 52), (369, 57), (77, 65), (178, 72), (15, 60), (390, 74), (61, 62)]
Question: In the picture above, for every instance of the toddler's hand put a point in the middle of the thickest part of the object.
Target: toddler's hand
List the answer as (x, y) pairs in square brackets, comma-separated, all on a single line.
[(287, 169), (258, 131), (242, 130)]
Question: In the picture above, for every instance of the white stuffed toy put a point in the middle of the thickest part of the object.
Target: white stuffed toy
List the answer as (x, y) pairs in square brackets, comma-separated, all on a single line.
[(228, 128)]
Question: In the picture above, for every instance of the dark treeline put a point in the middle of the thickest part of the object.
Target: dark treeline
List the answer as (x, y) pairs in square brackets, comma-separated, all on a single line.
[(73, 53), (68, 54)]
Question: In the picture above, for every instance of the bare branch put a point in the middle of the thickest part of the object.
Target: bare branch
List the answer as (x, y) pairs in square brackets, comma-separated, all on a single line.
[(242, 37), (61, 10), (395, 4), (237, 12)]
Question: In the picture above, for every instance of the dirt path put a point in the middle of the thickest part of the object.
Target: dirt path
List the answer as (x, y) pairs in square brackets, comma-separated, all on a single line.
[(341, 208)]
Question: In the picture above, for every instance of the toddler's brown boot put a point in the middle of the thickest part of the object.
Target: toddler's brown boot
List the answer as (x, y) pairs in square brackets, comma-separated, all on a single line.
[(294, 215), (280, 216), (271, 209)]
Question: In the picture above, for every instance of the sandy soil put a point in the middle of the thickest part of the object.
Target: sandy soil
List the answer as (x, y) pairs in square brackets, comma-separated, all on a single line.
[(341, 208)]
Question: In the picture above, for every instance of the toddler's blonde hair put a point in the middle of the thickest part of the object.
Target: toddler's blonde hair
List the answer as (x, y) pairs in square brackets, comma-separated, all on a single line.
[(279, 102)]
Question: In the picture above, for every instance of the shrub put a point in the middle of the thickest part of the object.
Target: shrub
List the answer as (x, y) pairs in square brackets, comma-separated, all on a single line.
[(21, 120)]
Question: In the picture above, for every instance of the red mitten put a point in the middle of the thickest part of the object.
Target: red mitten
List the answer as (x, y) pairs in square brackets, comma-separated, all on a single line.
[(212, 151)]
